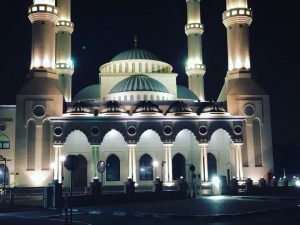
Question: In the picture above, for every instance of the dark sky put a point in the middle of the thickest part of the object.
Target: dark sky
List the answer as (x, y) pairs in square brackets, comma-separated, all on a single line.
[(105, 28)]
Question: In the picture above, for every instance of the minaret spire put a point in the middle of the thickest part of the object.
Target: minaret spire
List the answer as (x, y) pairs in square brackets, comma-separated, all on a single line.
[(194, 29), (64, 64)]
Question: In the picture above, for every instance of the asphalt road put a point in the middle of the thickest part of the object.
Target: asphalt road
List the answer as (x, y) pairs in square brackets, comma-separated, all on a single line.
[(234, 211)]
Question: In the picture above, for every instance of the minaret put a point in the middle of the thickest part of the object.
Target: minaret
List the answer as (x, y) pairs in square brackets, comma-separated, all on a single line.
[(244, 96), (38, 99), (43, 15), (64, 65), (237, 19), (194, 29)]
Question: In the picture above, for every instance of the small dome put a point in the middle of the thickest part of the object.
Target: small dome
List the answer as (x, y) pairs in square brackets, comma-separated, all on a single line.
[(135, 54), (147, 107), (138, 83), (179, 108), (185, 93), (214, 108), (113, 108), (90, 92)]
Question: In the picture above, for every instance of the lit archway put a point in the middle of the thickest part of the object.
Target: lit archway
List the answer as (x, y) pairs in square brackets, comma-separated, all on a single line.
[(145, 168), (113, 168), (4, 175), (178, 167)]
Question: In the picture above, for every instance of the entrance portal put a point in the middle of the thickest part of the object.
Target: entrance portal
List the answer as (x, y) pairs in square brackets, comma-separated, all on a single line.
[(80, 174), (212, 165)]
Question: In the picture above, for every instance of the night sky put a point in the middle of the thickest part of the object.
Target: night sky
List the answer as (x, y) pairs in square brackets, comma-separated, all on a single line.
[(105, 28)]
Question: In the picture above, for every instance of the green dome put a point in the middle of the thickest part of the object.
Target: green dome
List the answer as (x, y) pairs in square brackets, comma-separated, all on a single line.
[(185, 93), (90, 92), (135, 54), (138, 83)]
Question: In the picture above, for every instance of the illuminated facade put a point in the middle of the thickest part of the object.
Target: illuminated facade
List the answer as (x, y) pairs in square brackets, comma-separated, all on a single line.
[(137, 119)]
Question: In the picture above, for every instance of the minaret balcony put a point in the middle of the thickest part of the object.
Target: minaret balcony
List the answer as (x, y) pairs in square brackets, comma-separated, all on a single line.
[(237, 16), (64, 68), (64, 26), (196, 69), (194, 28), (43, 12)]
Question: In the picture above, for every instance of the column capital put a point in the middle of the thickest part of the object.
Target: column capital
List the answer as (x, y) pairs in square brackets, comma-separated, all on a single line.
[(168, 145), (56, 145), (131, 145), (203, 145)]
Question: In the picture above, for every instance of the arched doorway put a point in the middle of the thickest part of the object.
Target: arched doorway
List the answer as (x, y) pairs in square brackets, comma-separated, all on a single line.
[(178, 163), (80, 174), (146, 168), (113, 168), (4, 175), (212, 165)]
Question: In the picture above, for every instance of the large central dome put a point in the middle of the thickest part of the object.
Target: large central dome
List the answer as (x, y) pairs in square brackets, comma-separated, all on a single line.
[(135, 54), (139, 83)]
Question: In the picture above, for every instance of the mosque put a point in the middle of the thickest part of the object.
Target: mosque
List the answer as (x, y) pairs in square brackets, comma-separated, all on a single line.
[(137, 120)]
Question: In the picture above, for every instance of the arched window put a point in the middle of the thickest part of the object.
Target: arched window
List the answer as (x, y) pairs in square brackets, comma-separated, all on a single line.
[(4, 142), (125, 98), (115, 68), (46, 145), (158, 98), (113, 168), (133, 67), (178, 166), (145, 97), (4, 175), (146, 168), (31, 145), (152, 97), (120, 68), (140, 68), (138, 98), (131, 98), (257, 143), (211, 165)]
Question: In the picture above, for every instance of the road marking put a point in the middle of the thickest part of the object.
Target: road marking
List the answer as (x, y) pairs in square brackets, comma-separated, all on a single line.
[(119, 213), (36, 218), (95, 212)]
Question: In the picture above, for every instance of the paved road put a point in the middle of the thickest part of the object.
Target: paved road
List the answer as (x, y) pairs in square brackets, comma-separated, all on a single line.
[(157, 213)]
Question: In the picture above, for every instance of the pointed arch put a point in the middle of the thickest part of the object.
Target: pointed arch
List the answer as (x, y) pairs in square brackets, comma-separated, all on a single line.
[(185, 140), (31, 133), (178, 166), (4, 142), (143, 134), (46, 145), (113, 168), (257, 142), (212, 165), (146, 168), (4, 178)]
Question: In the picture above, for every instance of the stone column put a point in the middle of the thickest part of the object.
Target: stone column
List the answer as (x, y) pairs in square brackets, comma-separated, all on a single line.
[(166, 158), (57, 164), (95, 159), (60, 164), (168, 166), (203, 162), (239, 161), (132, 161)]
